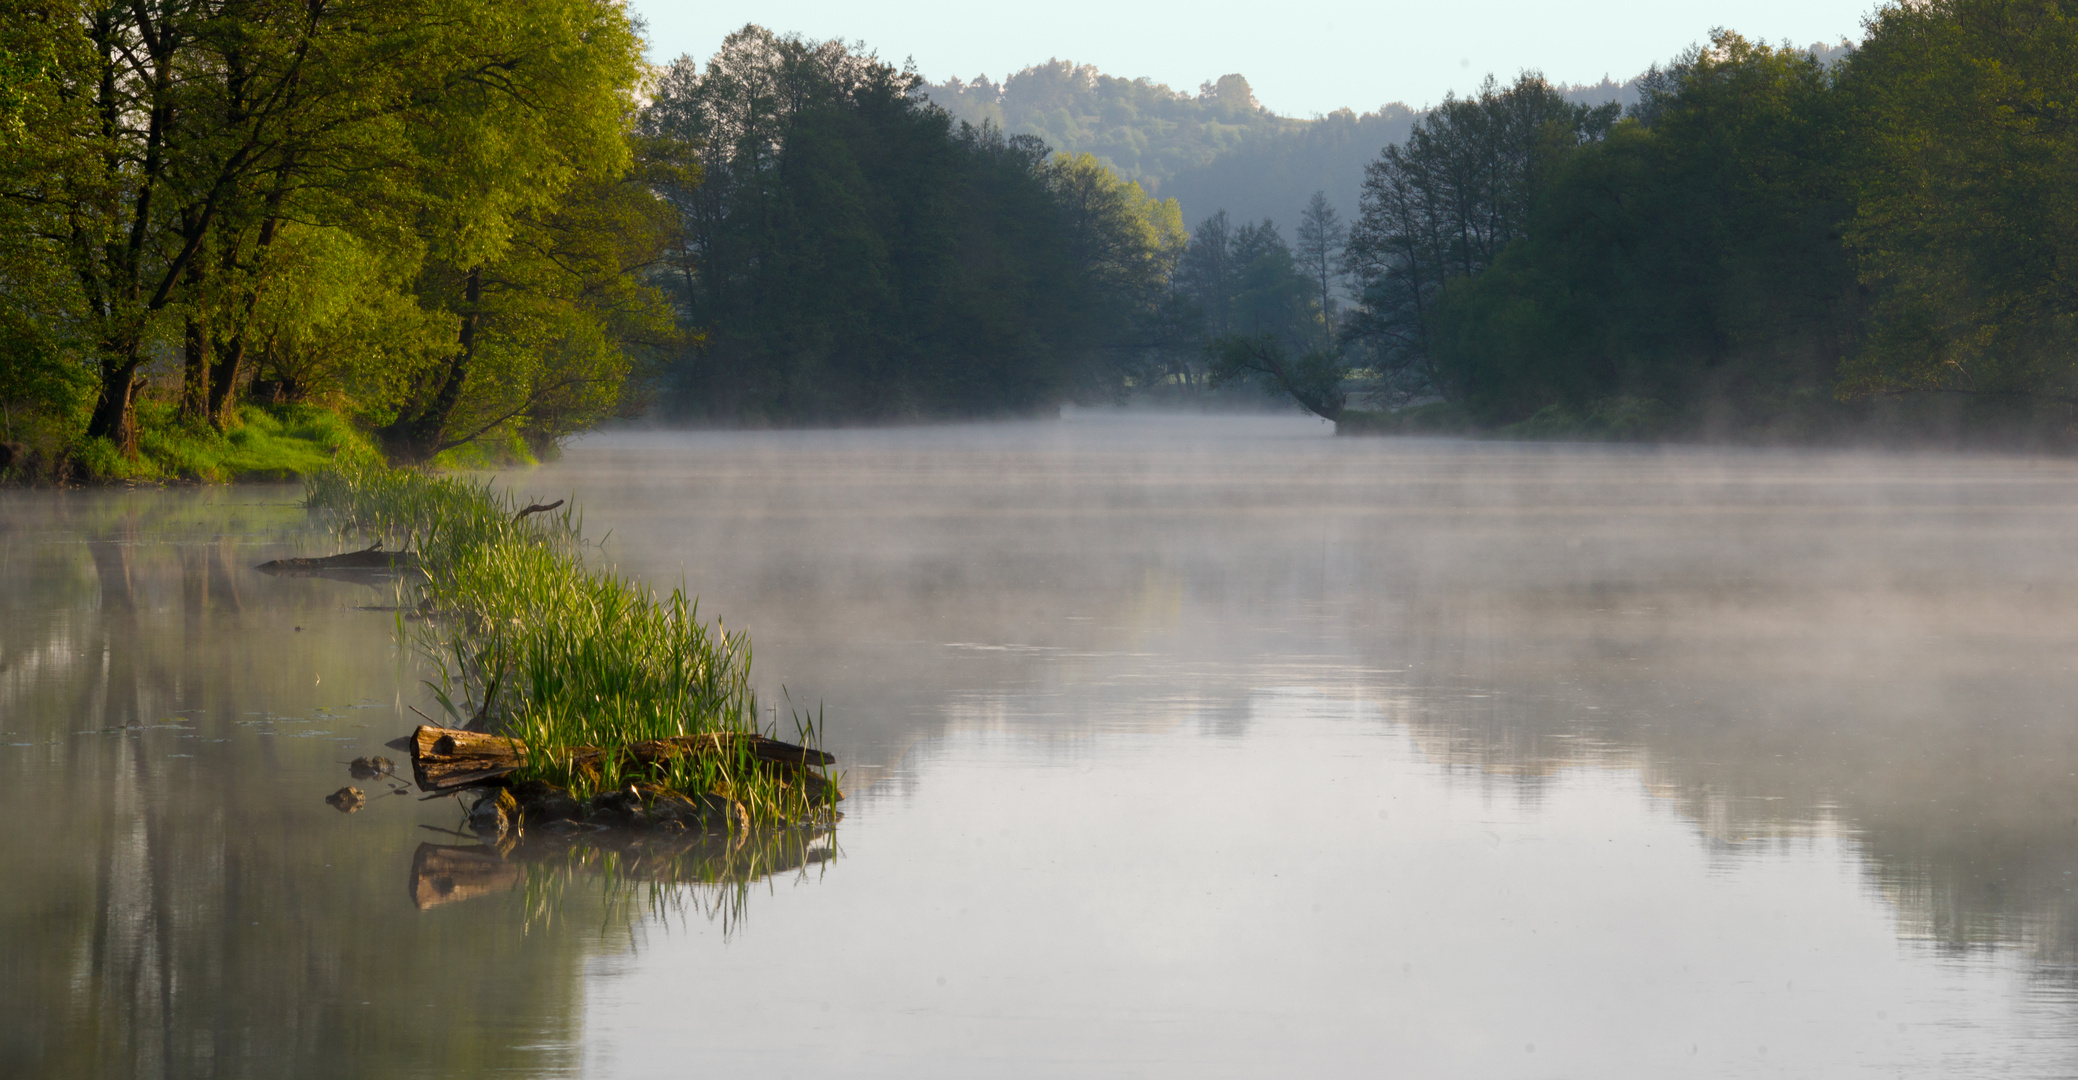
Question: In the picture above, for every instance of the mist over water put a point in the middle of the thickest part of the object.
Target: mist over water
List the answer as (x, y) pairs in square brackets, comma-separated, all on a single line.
[(1175, 743)]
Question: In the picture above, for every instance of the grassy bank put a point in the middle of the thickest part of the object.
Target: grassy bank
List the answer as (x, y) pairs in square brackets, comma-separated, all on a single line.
[(269, 442), (530, 642), (1805, 418)]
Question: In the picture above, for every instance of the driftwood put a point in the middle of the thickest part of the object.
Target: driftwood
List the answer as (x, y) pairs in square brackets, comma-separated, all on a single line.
[(445, 760), (369, 560), (537, 508)]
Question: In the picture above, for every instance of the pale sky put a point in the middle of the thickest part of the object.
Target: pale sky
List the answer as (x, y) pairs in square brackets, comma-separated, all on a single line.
[(1301, 59)]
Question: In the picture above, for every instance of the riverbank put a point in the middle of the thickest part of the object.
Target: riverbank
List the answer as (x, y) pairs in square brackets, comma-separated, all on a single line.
[(269, 444), (1804, 419)]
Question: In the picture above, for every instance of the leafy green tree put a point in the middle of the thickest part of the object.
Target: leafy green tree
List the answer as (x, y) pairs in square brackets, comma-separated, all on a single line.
[(1254, 311), (1314, 378), (852, 255), (1321, 237), (1966, 213), (1207, 272), (178, 144), (1689, 259), (1444, 204)]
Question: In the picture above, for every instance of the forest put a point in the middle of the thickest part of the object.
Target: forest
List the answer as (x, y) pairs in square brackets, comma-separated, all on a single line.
[(1766, 245), (237, 240)]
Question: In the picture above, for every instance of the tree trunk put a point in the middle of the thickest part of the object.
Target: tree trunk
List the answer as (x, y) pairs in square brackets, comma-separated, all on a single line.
[(223, 379), (230, 355), (194, 371), (414, 437), (113, 418)]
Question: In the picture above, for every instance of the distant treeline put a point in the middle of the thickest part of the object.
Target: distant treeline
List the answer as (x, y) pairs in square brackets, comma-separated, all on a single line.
[(852, 254), (499, 227), (1217, 149), (1213, 150), (1766, 244)]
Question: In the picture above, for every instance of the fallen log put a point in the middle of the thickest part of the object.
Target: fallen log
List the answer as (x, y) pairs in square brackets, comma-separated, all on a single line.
[(370, 559), (445, 760)]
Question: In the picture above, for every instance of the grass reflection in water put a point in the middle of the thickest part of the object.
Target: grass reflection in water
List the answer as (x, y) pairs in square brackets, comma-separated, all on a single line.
[(624, 875)]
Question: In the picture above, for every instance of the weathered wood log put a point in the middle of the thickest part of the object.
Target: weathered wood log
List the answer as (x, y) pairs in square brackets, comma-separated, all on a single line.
[(450, 759), (367, 560)]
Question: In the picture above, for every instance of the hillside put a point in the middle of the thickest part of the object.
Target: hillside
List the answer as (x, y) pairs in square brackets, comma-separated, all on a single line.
[(1218, 148)]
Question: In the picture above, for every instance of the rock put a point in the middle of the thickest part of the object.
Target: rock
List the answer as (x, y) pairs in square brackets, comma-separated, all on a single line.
[(347, 800), (721, 813), (820, 792), (612, 809), (542, 803), (673, 808), (364, 768)]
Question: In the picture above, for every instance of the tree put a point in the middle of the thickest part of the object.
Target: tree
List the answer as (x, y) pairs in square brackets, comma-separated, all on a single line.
[(1208, 275), (183, 142), (1313, 379), (1321, 236), (1965, 221), (1254, 311), (853, 255), (1443, 204), (1689, 259)]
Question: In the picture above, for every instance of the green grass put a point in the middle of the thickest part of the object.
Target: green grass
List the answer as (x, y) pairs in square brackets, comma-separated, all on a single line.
[(559, 655), (1616, 419), (276, 442), (1434, 418)]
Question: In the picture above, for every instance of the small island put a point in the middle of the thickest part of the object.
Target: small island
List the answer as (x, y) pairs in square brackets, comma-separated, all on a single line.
[(578, 700)]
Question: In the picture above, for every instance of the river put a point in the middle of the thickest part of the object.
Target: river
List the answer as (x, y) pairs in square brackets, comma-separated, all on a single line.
[(1206, 745)]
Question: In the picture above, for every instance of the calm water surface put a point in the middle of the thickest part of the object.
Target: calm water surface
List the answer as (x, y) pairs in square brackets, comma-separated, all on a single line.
[(1177, 745)]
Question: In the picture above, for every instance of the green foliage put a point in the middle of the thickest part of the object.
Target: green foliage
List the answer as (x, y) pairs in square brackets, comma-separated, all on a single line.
[(1313, 378), (290, 191), (1619, 419), (1431, 418), (1769, 232), (850, 255), (269, 443), (1216, 149), (1966, 211), (1242, 310), (1443, 206), (1691, 260), (1143, 130)]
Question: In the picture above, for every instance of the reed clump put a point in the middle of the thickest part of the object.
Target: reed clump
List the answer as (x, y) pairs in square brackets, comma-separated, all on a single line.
[(531, 643)]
